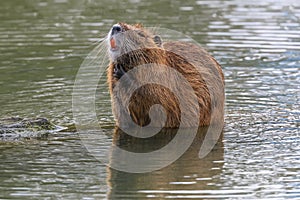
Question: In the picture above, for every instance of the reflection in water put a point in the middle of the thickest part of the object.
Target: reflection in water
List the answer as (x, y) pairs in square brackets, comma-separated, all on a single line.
[(188, 173)]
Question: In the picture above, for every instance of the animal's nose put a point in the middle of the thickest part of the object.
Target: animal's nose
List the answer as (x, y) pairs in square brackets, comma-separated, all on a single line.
[(116, 29)]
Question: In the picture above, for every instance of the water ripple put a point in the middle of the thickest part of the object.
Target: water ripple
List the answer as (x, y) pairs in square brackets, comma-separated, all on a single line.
[(42, 44)]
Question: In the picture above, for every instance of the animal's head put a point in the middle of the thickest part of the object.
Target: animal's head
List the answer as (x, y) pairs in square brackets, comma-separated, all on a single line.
[(124, 38)]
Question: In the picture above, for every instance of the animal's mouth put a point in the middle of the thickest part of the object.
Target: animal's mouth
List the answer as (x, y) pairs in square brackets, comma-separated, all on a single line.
[(115, 31), (113, 44)]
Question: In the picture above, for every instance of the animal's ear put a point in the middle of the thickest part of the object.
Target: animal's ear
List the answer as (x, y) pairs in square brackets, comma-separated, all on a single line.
[(157, 40), (138, 25)]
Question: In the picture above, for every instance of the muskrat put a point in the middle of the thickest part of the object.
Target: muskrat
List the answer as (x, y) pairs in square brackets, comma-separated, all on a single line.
[(131, 46)]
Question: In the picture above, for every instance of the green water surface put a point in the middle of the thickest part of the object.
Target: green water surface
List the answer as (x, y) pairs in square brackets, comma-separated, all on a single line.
[(44, 42)]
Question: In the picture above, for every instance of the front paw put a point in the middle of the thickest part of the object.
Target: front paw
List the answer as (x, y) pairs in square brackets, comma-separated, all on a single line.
[(119, 71)]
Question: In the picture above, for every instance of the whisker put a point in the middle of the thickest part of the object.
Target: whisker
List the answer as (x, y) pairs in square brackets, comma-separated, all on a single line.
[(98, 56)]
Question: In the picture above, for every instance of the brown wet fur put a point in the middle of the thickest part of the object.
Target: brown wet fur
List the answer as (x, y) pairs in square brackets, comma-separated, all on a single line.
[(194, 66)]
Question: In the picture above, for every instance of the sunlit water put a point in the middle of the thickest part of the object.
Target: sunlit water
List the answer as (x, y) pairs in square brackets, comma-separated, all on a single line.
[(43, 43)]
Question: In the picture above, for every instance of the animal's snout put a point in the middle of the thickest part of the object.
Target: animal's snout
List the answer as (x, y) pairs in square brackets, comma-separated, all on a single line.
[(116, 29)]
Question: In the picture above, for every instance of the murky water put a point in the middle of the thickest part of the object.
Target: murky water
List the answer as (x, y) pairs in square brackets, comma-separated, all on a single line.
[(43, 43)]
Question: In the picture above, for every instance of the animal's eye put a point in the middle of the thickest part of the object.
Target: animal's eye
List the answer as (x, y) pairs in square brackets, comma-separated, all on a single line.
[(141, 34)]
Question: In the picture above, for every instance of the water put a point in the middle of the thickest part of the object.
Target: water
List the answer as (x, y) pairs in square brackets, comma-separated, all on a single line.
[(42, 44)]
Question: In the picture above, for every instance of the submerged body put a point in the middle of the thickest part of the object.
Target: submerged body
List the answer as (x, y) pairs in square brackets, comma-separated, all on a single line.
[(132, 46)]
